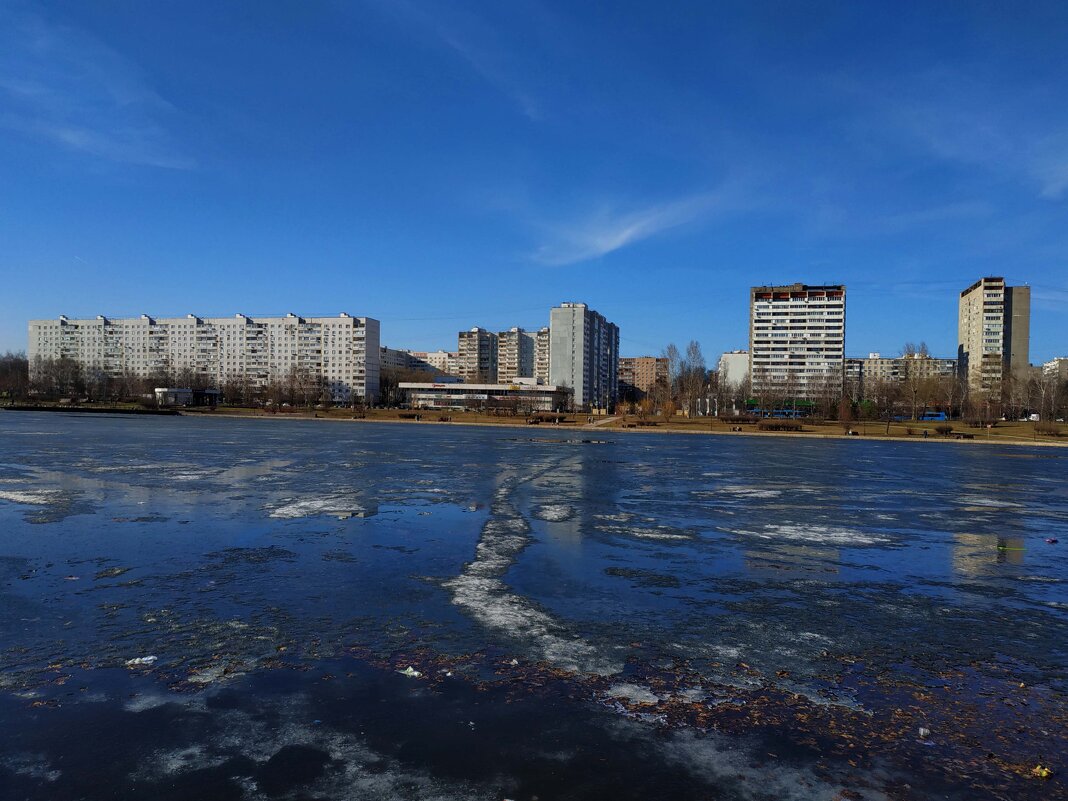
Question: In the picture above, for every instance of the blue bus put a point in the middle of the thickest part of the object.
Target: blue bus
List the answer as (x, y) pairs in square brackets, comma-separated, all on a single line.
[(934, 416)]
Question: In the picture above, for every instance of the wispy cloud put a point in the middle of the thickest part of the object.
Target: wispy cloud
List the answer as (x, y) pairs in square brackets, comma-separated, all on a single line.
[(479, 44), (958, 119), (608, 230), (65, 86)]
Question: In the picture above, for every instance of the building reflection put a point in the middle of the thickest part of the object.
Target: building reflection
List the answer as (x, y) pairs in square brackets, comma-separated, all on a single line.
[(779, 559), (572, 498), (973, 554)]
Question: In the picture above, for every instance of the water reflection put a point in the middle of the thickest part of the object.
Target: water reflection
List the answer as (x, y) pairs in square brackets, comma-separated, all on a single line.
[(975, 554)]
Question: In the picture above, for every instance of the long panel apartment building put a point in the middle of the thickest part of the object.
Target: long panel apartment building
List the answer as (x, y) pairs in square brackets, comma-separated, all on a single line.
[(342, 352), (797, 340), (994, 332)]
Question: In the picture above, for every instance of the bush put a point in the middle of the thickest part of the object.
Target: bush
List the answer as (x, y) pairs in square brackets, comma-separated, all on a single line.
[(944, 430), (1048, 429), (779, 425)]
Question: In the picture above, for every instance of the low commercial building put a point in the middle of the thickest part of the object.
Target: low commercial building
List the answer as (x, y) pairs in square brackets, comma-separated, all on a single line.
[(523, 396), (184, 396)]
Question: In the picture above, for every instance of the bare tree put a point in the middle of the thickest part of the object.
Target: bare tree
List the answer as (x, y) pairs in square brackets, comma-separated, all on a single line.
[(691, 377), (14, 376)]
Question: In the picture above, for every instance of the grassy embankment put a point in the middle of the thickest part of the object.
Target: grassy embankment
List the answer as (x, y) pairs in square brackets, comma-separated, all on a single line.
[(1009, 432)]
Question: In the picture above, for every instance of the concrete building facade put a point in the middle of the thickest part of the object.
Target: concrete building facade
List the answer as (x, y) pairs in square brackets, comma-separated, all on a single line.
[(441, 361), (734, 367), (584, 355), (343, 352), (1057, 369), (521, 397), (867, 373), (541, 355), (477, 359), (515, 355), (797, 340), (993, 334), (639, 374)]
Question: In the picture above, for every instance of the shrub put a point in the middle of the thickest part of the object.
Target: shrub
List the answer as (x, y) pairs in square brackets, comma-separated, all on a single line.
[(1047, 429), (944, 430), (779, 425)]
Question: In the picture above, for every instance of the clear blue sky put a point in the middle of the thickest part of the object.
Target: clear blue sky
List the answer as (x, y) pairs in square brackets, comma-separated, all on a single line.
[(442, 165)]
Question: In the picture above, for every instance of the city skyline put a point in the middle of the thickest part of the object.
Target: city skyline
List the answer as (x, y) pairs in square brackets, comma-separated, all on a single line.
[(655, 164)]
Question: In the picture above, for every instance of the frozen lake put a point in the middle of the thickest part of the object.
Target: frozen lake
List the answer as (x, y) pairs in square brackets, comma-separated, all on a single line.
[(226, 609)]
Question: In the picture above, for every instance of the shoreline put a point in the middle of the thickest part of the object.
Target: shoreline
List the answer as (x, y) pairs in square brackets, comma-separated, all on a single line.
[(583, 427)]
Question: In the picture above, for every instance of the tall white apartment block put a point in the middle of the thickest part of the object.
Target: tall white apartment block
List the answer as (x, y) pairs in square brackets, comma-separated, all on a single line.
[(341, 351), (478, 356), (584, 355), (993, 332), (797, 340), (541, 355), (515, 355)]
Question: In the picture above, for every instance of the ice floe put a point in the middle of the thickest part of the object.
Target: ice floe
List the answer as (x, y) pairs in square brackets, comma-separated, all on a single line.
[(554, 513), (815, 534)]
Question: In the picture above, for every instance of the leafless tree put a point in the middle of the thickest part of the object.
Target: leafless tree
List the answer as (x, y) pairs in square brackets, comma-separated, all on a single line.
[(690, 376), (14, 376)]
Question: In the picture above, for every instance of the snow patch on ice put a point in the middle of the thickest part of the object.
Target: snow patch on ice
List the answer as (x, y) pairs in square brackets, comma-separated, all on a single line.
[(30, 497), (815, 534), (751, 492), (481, 592), (554, 513), (291, 508), (665, 533), (31, 765), (634, 693)]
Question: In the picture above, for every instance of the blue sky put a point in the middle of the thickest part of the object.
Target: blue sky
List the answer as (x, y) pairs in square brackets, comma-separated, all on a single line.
[(443, 165)]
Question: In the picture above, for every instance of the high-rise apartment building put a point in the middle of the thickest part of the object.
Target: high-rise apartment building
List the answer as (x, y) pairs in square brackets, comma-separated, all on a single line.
[(734, 368), (797, 340), (993, 332), (541, 355), (639, 374), (343, 352), (515, 355), (584, 355), (477, 362)]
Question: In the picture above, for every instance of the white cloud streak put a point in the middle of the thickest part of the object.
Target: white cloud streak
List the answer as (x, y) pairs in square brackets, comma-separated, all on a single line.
[(64, 86), (477, 43), (607, 231), (957, 119)]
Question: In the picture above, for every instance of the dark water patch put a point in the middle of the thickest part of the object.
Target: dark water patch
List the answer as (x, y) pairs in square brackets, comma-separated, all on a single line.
[(644, 578)]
